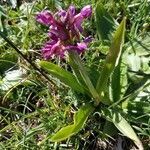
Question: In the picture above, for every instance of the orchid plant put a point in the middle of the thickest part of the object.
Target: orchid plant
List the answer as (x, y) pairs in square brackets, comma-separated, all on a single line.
[(68, 41)]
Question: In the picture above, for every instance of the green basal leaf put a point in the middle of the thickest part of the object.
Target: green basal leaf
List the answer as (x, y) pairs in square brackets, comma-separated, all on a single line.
[(116, 84), (80, 118), (122, 125), (104, 22), (112, 58), (63, 133), (63, 75)]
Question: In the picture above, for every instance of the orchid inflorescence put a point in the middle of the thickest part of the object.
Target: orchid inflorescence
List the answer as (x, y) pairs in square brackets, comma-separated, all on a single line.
[(65, 31)]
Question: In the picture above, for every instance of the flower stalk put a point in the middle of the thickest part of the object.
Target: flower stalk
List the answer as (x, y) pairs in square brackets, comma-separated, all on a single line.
[(77, 60)]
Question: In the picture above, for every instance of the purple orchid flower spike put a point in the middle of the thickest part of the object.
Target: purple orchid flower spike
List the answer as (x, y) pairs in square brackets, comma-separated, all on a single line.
[(65, 28)]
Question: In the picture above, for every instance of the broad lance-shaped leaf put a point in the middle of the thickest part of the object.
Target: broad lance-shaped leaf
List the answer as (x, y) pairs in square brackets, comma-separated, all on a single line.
[(80, 118), (63, 75), (112, 57), (104, 23), (116, 83), (63, 133), (122, 125)]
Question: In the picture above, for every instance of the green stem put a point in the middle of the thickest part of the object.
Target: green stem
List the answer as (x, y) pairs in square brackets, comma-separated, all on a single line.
[(79, 68), (76, 70)]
